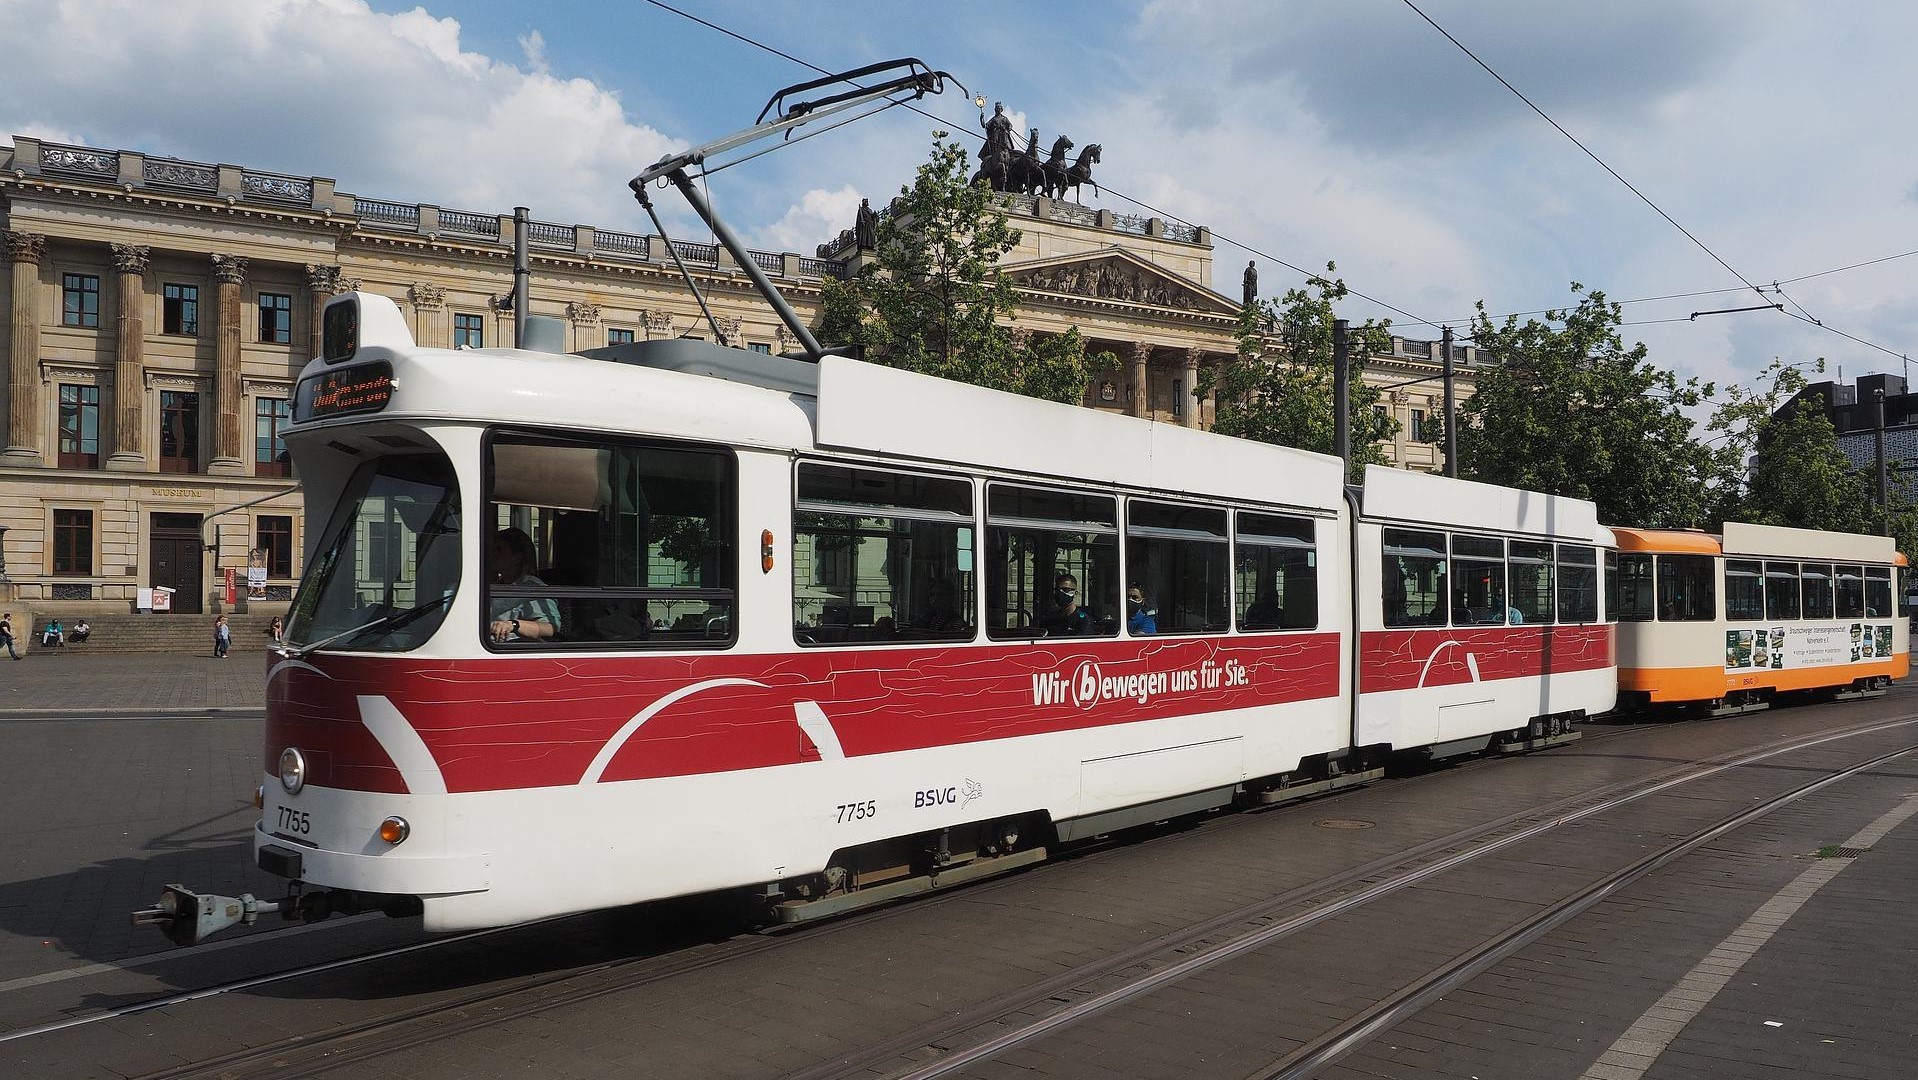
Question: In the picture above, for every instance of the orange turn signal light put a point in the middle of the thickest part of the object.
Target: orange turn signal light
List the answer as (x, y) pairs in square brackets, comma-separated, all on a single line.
[(394, 829), (766, 551), (259, 796)]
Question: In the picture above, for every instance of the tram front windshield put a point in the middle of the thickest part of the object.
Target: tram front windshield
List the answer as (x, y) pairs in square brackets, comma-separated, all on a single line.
[(389, 562)]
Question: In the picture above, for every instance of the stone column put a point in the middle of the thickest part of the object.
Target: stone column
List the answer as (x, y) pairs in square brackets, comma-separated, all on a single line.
[(1141, 401), (24, 437), (129, 356), (1189, 408), (322, 283), (229, 402)]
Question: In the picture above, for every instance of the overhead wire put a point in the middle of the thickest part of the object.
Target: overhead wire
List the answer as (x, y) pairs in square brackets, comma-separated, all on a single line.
[(1629, 186), (948, 124), (1411, 319)]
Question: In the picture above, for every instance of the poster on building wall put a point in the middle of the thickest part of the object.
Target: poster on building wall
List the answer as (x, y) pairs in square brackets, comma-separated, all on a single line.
[(1815, 645), (256, 574)]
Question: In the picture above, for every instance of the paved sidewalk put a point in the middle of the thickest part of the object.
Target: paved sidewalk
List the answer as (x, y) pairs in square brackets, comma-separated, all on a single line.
[(52, 683)]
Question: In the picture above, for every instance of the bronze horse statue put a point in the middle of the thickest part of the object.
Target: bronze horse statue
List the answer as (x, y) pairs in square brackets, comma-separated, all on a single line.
[(1023, 171), (1079, 173), (1033, 177)]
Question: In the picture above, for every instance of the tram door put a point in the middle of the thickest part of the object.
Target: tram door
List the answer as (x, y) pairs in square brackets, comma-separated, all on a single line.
[(174, 540)]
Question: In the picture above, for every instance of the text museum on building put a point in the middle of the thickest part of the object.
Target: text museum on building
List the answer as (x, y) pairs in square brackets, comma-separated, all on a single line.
[(159, 312)]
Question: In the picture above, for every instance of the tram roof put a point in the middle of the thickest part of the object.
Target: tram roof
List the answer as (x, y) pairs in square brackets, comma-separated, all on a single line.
[(879, 409), (697, 389), (1764, 541), (1745, 539), (1401, 495)]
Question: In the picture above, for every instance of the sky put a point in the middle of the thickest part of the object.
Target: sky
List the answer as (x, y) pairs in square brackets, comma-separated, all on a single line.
[(1775, 133)]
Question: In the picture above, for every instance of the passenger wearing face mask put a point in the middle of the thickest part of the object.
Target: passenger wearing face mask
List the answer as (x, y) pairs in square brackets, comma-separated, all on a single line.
[(1067, 616), (1141, 616)]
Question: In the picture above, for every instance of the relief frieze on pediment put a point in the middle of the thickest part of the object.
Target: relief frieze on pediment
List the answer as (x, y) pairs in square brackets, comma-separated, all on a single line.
[(1114, 279)]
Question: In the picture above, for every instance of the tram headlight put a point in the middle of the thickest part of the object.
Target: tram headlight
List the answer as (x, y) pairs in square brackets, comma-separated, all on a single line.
[(395, 829), (292, 770)]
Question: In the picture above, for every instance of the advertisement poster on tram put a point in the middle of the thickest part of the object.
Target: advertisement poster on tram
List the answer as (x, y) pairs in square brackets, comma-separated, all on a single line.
[(1823, 645)]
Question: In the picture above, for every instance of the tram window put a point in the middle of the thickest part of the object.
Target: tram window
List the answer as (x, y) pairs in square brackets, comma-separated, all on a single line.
[(1744, 590), (882, 557), (1577, 584), (387, 561), (1687, 589), (1530, 571), (1478, 581), (1878, 592), (1631, 598), (1849, 586), (631, 543), (1413, 578), (1178, 554), (1040, 542), (1903, 595), (1278, 573), (1816, 579), (1781, 590)]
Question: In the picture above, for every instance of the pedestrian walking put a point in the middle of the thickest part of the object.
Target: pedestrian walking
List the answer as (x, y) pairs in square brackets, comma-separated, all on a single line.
[(222, 638), (6, 634)]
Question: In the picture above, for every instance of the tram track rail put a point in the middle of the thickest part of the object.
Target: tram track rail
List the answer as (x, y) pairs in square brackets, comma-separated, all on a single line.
[(1195, 949), (1189, 949)]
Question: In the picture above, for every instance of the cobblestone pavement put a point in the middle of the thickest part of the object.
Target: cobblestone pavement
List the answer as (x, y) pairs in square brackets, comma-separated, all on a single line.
[(53, 683)]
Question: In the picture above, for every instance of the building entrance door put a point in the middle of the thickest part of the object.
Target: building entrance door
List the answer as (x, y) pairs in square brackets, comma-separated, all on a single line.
[(174, 540)]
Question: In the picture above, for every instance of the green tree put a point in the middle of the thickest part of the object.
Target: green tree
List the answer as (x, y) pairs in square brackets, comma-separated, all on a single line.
[(1279, 390), (1569, 410), (934, 300)]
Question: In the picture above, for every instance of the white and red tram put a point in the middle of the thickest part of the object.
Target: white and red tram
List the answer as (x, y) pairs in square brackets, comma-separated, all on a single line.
[(666, 618)]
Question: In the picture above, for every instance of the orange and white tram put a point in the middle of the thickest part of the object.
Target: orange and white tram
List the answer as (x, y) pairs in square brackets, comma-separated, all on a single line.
[(1732, 620)]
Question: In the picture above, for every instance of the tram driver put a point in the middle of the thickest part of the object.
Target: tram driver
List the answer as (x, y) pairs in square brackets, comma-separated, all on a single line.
[(519, 618)]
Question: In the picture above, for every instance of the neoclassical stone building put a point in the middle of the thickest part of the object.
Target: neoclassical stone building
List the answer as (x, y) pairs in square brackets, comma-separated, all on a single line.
[(158, 312)]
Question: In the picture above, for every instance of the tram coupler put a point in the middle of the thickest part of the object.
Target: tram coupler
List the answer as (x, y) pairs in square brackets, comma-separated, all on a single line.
[(188, 918)]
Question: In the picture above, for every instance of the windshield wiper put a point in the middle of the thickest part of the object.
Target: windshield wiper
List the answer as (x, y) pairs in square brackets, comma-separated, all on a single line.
[(392, 619)]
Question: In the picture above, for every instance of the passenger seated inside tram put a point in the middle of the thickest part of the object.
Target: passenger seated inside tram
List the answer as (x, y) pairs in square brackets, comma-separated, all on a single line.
[(1264, 612), (942, 614), (1065, 616), (1141, 616), (519, 618)]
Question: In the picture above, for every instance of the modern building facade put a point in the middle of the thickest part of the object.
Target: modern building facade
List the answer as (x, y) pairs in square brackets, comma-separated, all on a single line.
[(158, 312)]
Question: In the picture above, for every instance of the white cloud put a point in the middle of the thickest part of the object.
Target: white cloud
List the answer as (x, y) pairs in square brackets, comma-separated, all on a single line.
[(818, 216), (391, 106)]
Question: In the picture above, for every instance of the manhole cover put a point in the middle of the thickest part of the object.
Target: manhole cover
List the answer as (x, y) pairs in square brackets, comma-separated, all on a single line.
[(1342, 823)]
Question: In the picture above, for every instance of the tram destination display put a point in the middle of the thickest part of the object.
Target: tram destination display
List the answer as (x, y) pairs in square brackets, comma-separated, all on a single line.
[(362, 388)]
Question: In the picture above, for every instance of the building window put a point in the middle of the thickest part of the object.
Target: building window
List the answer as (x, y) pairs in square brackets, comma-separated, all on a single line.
[(73, 541), (273, 534), (1418, 425), (619, 337), (79, 426), (270, 419), (276, 318), (760, 347), (179, 431), (80, 300), (1178, 400), (180, 310), (469, 332)]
